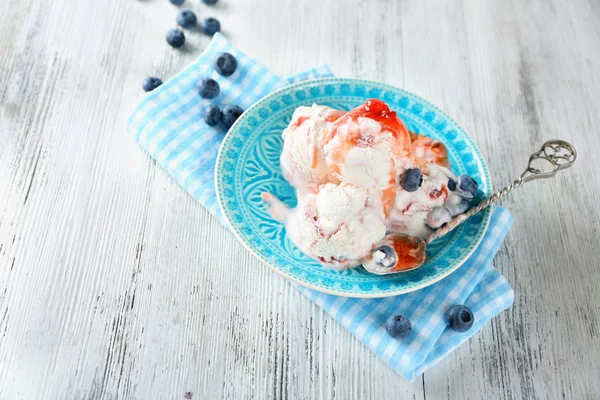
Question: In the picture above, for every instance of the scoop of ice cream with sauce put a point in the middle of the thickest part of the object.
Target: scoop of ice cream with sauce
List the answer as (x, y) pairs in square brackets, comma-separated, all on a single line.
[(302, 160), (337, 226), (350, 171)]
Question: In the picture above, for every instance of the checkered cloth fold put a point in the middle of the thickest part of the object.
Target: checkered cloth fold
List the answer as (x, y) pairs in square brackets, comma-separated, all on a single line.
[(167, 123)]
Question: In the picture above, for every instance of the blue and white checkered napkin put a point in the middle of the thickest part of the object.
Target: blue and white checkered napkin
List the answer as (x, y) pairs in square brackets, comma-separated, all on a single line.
[(168, 124)]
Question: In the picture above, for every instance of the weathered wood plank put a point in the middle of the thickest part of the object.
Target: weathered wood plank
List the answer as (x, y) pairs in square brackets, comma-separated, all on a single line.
[(116, 284)]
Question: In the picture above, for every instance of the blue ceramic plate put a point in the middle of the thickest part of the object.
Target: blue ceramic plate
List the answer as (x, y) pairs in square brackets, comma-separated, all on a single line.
[(248, 164)]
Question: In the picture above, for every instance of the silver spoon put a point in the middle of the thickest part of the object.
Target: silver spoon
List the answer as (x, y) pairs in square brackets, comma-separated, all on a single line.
[(398, 252)]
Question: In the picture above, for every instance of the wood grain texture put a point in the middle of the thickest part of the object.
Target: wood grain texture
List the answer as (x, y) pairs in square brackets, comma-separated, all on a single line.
[(115, 284)]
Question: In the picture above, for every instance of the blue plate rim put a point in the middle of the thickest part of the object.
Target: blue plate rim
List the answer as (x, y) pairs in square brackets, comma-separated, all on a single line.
[(382, 293)]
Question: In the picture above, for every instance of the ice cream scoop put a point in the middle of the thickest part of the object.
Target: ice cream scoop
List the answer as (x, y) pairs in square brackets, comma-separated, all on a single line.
[(302, 159), (400, 253), (337, 226), (358, 175), (366, 147)]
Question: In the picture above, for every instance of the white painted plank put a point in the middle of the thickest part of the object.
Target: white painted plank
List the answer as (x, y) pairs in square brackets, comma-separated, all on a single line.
[(116, 284)]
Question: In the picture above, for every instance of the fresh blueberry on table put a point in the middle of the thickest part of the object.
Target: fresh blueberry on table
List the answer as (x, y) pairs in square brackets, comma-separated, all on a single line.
[(209, 2), (151, 83), (456, 204), (177, 2), (175, 38), (468, 186), (212, 115), (210, 26), (226, 64), (451, 184), (411, 179), (208, 88), (230, 114), (460, 318), (438, 217), (186, 19), (398, 326)]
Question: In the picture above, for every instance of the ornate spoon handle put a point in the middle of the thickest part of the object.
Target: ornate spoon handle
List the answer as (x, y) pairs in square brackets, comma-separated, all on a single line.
[(558, 153)]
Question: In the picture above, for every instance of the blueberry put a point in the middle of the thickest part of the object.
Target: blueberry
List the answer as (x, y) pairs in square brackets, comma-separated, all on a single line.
[(411, 179), (209, 2), (177, 2), (388, 256), (151, 83), (460, 318), (226, 64), (230, 114), (175, 38), (451, 184), (438, 217), (186, 19), (208, 88), (456, 204), (210, 26), (468, 186), (212, 115), (398, 326)]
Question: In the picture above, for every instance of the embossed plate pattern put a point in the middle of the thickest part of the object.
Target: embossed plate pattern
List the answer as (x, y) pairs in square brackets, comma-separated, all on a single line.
[(248, 164)]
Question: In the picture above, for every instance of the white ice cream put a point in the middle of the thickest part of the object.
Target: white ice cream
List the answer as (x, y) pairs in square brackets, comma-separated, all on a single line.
[(302, 157), (370, 163), (338, 225), (411, 209), (346, 170)]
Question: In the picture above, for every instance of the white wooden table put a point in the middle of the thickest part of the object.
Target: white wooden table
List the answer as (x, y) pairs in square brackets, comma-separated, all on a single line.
[(115, 284)]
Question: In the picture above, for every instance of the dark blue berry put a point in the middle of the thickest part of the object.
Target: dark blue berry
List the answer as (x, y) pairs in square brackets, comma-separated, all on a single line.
[(468, 186), (177, 2), (212, 115), (411, 179), (151, 83), (175, 38), (209, 2), (389, 259), (186, 19), (230, 114), (210, 26), (208, 88), (460, 318), (398, 326), (451, 184), (226, 64)]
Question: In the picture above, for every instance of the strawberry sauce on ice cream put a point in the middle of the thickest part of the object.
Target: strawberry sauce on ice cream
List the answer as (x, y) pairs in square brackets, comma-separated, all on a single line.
[(350, 173)]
